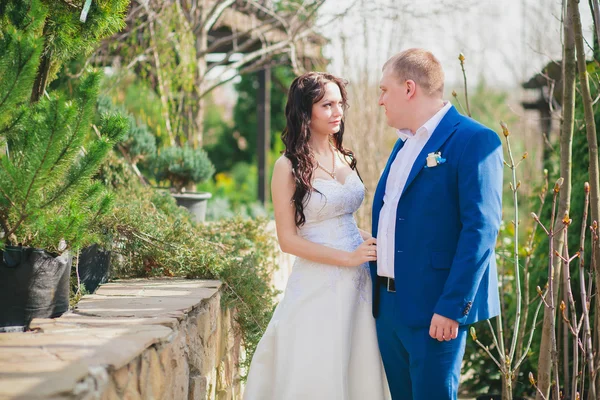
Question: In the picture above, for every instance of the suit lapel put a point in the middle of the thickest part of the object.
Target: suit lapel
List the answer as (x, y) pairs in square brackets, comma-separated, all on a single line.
[(444, 130), (380, 190)]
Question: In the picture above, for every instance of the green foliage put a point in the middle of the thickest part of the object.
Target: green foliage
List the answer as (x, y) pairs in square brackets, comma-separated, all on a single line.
[(47, 194), (139, 143), (161, 45), (66, 37), (137, 98), (481, 375), (238, 143), (20, 48), (487, 378), (234, 194), (579, 175), (489, 106), (182, 166), (154, 237)]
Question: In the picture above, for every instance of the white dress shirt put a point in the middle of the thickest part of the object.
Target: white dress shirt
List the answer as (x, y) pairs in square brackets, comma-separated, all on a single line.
[(399, 171)]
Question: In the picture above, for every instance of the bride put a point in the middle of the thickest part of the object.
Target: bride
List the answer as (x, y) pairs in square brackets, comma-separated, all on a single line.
[(321, 343)]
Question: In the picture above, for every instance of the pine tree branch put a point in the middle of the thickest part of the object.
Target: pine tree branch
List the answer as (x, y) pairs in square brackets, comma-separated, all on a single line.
[(4, 223), (41, 79), (77, 177), (10, 234), (15, 121), (67, 2), (10, 176), (20, 68), (7, 197), (75, 132), (44, 157)]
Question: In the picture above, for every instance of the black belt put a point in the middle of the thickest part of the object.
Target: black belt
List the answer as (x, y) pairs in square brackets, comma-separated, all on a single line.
[(389, 283)]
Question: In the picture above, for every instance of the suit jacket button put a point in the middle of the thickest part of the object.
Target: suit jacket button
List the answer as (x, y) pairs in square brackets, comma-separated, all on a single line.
[(467, 308)]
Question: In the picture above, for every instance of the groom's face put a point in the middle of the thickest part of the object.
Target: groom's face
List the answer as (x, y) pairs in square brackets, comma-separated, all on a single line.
[(394, 99)]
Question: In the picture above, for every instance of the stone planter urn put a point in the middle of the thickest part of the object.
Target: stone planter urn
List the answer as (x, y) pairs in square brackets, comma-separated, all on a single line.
[(195, 203)]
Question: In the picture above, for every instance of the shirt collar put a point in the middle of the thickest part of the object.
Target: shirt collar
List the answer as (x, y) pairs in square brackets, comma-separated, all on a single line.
[(429, 126)]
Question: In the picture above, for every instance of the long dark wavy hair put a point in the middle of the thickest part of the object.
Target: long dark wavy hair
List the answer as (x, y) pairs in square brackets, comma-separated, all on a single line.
[(305, 91)]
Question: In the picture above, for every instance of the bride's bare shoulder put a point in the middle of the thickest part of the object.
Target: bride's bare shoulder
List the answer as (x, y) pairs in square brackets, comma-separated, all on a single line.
[(283, 165), (282, 170)]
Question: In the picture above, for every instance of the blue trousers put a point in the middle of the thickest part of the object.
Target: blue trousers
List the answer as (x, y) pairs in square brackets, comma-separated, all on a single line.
[(417, 366)]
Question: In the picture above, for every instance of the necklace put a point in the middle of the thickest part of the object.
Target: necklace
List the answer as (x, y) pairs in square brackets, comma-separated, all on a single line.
[(328, 172)]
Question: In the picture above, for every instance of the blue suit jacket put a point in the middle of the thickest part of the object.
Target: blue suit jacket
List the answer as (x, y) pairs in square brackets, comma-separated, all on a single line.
[(447, 223)]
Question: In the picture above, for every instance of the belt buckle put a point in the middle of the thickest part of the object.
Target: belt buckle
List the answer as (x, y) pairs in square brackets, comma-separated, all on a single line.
[(388, 286)]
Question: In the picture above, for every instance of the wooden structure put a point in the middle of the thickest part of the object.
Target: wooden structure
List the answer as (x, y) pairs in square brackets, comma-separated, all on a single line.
[(244, 36), (242, 20), (548, 84)]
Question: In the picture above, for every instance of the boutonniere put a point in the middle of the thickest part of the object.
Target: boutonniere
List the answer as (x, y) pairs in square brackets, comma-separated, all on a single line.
[(434, 159)]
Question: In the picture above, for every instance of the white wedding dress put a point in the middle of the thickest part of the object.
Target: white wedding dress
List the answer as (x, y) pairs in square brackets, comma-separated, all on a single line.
[(321, 343)]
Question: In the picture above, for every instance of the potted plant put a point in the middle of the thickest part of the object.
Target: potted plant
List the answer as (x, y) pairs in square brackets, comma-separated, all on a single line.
[(49, 203), (138, 145), (183, 167)]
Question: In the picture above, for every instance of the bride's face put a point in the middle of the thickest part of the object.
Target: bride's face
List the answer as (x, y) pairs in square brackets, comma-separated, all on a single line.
[(327, 113)]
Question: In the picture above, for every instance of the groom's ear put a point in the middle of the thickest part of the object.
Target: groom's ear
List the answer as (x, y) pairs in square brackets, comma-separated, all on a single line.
[(411, 87)]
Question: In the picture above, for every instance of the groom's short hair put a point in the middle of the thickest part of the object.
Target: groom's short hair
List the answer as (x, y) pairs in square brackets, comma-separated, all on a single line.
[(421, 66)]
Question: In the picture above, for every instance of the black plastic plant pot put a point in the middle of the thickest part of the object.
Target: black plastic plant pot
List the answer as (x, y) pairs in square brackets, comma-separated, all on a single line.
[(33, 284), (93, 266)]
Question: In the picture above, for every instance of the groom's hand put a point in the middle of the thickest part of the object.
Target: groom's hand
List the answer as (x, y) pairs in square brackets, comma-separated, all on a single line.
[(443, 328)]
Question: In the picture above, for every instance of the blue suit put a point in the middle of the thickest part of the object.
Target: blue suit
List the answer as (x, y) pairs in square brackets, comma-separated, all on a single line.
[(447, 222)]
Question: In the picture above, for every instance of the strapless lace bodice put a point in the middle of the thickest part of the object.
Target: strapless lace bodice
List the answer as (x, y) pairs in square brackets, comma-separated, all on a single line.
[(329, 213)]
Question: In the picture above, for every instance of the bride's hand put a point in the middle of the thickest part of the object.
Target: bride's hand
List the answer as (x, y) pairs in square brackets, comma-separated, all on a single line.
[(367, 251)]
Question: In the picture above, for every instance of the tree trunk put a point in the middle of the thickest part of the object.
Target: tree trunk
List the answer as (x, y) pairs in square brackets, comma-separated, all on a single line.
[(507, 389), (197, 131), (595, 8), (592, 140), (590, 126), (596, 337), (195, 137), (161, 86), (566, 342), (41, 78), (566, 142)]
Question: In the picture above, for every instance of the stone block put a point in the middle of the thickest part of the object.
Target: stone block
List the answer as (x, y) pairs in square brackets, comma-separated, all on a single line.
[(151, 376)]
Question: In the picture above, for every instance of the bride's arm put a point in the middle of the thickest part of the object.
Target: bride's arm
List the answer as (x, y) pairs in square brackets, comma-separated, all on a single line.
[(282, 191)]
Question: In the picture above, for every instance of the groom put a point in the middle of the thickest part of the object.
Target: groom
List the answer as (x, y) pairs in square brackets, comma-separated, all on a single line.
[(436, 215)]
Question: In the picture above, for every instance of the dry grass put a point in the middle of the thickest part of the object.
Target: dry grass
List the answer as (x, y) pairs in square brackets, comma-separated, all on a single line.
[(368, 135)]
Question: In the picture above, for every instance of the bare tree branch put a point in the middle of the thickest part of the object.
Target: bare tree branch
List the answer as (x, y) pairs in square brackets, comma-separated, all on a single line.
[(213, 15)]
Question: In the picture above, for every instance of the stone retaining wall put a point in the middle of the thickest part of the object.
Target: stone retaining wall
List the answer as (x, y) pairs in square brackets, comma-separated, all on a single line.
[(136, 339)]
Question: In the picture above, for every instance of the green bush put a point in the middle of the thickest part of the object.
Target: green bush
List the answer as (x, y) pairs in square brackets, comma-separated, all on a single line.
[(48, 198), (152, 236), (182, 166), (139, 143)]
